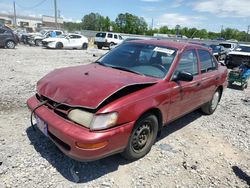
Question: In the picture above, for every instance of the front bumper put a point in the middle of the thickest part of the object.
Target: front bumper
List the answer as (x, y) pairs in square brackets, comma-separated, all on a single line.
[(65, 134)]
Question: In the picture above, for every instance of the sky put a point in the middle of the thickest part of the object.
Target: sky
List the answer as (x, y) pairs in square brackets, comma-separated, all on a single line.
[(202, 14)]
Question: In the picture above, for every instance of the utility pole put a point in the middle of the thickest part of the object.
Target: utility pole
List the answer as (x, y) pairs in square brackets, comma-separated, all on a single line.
[(152, 24), (221, 30), (248, 29), (14, 5), (55, 13)]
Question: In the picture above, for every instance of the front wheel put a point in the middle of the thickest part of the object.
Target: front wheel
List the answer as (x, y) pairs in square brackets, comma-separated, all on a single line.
[(111, 45), (142, 137), (38, 42), (59, 45), (211, 106), (99, 47)]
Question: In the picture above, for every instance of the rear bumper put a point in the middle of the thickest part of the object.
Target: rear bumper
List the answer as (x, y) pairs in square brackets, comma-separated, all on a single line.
[(103, 44), (65, 134)]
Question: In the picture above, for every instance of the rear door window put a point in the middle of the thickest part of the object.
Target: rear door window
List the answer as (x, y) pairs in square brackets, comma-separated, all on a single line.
[(115, 36), (102, 35), (207, 61), (110, 35)]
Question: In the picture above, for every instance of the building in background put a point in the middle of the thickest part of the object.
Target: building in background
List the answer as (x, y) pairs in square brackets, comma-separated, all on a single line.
[(30, 23)]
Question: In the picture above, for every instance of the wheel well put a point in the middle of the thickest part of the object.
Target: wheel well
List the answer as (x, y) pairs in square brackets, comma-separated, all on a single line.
[(220, 89), (9, 40), (158, 114)]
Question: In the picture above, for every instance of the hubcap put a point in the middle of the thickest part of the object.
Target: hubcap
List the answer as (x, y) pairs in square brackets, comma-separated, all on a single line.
[(215, 100), (10, 44), (141, 137)]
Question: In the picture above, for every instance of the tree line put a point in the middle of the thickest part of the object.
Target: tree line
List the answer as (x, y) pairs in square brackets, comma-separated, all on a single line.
[(132, 24)]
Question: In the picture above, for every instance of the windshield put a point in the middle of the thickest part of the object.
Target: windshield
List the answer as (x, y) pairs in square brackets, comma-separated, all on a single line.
[(243, 48), (144, 59), (43, 32)]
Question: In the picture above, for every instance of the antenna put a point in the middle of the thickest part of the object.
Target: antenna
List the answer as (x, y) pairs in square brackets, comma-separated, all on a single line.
[(189, 40)]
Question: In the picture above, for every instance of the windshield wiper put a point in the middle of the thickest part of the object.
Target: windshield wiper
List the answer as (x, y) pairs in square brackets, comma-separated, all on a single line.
[(128, 70)]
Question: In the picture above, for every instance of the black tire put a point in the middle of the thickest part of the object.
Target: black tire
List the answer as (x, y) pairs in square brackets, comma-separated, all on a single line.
[(230, 84), (211, 106), (142, 137), (99, 47), (10, 44), (85, 46), (38, 42), (111, 44), (59, 45)]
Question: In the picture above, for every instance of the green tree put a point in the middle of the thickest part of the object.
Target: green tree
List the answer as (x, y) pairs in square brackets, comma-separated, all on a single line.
[(93, 21), (129, 23), (164, 29)]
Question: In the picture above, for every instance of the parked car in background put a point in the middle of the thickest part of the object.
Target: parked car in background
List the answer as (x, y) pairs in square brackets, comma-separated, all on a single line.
[(107, 39), (229, 46), (8, 38), (218, 51), (133, 38), (37, 38), (121, 102), (241, 54), (66, 41)]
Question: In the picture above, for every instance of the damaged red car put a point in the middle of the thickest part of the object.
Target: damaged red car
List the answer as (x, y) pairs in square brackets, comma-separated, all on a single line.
[(120, 103)]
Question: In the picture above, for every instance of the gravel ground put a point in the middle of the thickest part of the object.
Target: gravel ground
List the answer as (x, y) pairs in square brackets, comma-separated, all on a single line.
[(194, 151)]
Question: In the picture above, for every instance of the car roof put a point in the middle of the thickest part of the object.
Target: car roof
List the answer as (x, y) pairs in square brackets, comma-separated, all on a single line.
[(166, 43)]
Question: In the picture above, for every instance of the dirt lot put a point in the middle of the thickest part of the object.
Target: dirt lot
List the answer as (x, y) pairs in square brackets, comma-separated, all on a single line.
[(194, 151)]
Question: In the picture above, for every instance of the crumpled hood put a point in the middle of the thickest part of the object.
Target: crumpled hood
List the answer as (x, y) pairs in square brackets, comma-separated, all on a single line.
[(87, 85)]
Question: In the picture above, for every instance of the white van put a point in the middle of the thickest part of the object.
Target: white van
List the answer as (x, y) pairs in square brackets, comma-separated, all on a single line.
[(107, 39)]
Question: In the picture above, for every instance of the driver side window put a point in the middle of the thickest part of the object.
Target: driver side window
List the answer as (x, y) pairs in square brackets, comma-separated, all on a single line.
[(188, 62)]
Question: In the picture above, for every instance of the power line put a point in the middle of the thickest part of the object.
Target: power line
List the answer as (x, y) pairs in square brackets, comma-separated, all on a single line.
[(31, 7)]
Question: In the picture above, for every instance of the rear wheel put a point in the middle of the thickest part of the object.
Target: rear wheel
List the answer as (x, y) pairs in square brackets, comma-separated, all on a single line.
[(142, 137), (59, 45), (10, 44), (211, 106), (99, 47), (84, 46)]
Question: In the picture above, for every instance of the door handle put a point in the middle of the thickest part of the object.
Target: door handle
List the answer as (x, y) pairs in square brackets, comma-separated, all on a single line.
[(198, 84), (217, 78)]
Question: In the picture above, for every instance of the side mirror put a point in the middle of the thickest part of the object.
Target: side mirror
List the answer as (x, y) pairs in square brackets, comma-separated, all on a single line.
[(183, 76)]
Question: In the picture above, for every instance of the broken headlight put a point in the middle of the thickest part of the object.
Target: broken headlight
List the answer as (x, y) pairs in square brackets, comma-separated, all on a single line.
[(92, 121)]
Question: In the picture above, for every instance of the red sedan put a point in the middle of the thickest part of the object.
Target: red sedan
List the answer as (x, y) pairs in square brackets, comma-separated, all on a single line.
[(119, 103)]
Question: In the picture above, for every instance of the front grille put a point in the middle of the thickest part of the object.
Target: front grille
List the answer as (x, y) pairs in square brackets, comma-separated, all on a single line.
[(60, 109)]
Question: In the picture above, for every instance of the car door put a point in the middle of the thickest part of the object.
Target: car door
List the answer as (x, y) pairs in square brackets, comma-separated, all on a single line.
[(2, 36), (209, 74), (74, 41), (185, 96)]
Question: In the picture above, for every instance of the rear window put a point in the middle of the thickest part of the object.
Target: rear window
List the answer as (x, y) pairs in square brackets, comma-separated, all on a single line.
[(102, 35), (110, 35), (226, 45)]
